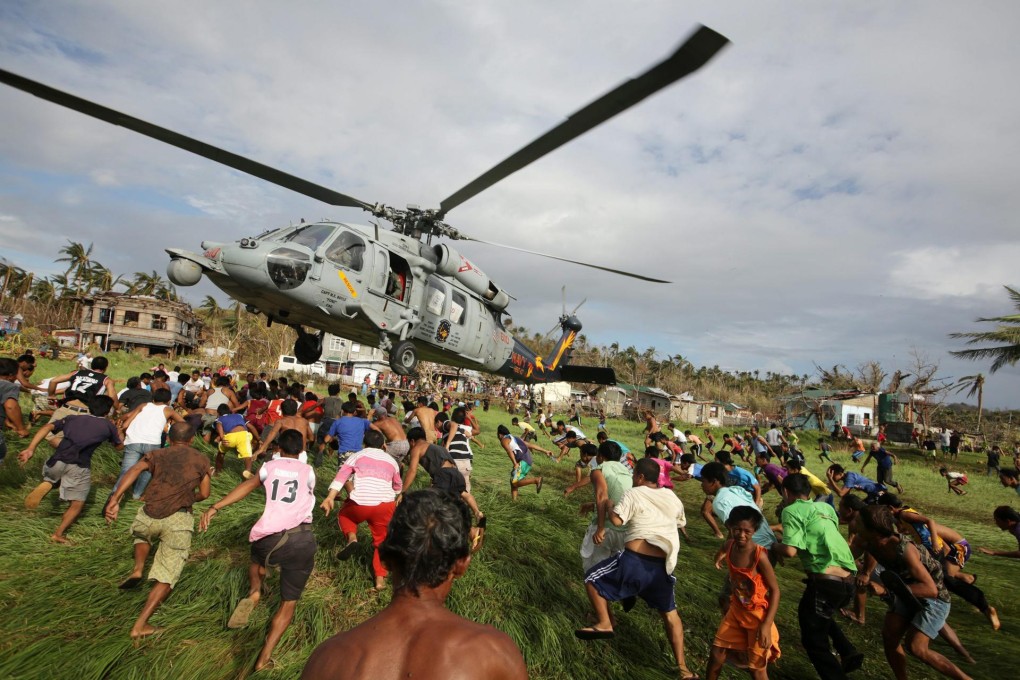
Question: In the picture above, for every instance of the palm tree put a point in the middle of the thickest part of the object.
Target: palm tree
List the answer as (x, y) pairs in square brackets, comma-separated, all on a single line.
[(61, 285), (211, 308), (975, 384), (101, 279), (1005, 339), (78, 259), (9, 278), (146, 284), (43, 292)]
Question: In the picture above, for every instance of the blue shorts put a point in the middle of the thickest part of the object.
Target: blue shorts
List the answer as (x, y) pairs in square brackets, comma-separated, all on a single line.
[(930, 619), (628, 574)]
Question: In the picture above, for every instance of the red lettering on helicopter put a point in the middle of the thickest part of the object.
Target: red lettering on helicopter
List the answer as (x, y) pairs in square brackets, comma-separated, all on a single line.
[(521, 364), (212, 253), (466, 266)]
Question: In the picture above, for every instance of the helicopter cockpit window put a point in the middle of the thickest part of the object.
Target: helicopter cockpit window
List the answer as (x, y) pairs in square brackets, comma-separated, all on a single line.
[(348, 251), (288, 267), (457, 308), (311, 236)]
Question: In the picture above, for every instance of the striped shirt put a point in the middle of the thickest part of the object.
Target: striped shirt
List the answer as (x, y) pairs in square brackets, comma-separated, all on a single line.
[(376, 477), (459, 447)]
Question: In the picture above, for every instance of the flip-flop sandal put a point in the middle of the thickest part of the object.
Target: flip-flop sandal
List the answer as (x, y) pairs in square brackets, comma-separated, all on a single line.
[(594, 634), (242, 612), (348, 551), (130, 582), (538, 487)]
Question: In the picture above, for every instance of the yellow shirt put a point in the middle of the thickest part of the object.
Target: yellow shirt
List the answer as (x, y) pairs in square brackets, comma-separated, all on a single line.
[(818, 487)]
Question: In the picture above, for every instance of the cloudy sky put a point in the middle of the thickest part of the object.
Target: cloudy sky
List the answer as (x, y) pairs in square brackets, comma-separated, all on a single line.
[(838, 185)]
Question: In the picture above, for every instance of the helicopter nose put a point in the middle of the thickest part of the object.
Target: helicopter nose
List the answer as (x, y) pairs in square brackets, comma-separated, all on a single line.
[(244, 266)]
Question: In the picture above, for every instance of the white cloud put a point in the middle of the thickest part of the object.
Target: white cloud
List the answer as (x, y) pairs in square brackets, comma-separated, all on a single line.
[(962, 271)]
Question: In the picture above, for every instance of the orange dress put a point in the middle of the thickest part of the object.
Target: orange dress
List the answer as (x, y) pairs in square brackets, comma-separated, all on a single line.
[(738, 631)]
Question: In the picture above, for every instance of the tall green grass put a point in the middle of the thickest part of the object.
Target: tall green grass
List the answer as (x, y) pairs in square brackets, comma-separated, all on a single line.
[(63, 616)]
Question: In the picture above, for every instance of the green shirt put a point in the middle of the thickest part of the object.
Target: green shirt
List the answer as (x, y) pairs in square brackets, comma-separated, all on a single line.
[(813, 529), (619, 480)]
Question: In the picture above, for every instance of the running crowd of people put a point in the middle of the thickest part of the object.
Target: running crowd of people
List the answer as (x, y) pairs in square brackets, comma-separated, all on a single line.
[(423, 541)]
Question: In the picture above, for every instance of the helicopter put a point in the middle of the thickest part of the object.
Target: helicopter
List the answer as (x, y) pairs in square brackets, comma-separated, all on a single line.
[(394, 288)]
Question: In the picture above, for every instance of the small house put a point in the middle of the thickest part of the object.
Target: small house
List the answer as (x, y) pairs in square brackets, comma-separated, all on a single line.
[(139, 322)]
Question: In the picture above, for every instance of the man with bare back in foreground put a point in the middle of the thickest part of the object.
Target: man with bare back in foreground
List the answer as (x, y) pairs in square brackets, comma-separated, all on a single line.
[(427, 548)]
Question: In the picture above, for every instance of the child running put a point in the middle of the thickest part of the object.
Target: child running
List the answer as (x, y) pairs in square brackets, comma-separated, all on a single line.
[(520, 456), (747, 636), (825, 451), (235, 434), (955, 480)]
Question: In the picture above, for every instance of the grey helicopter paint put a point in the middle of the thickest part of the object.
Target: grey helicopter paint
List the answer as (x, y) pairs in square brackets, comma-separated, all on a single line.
[(393, 289)]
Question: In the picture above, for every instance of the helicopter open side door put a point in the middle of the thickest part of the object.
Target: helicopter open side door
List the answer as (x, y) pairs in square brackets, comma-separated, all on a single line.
[(389, 290)]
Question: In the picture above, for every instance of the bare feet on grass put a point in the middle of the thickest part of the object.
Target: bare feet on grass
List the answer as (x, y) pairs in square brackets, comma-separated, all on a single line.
[(147, 630), (993, 618)]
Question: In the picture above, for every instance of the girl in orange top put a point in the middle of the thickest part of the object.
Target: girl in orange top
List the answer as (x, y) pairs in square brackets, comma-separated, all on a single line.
[(747, 636)]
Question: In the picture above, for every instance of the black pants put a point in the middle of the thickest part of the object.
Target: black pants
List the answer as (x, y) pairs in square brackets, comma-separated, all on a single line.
[(967, 591), (822, 599)]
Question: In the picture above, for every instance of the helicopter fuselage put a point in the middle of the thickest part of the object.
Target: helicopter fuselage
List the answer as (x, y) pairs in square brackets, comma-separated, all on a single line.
[(376, 287)]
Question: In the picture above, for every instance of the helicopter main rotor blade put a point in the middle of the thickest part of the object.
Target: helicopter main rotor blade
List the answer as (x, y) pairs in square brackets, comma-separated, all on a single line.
[(694, 53), (213, 153), (565, 259)]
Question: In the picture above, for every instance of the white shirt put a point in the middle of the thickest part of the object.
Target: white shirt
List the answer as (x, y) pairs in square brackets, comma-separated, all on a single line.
[(147, 427), (654, 515)]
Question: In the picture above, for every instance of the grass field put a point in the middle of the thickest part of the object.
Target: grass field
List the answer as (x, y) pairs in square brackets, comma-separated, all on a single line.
[(63, 616)]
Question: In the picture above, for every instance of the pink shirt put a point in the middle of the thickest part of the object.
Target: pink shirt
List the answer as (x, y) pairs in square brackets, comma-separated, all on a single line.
[(376, 477), (290, 496), (665, 467)]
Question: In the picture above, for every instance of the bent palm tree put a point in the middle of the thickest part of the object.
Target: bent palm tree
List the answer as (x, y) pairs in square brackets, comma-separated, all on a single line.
[(1005, 339), (975, 384), (79, 260)]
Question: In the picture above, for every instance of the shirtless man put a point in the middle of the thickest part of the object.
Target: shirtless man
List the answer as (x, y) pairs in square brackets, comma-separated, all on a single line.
[(396, 440), (416, 635), (426, 418), (290, 421), (211, 400)]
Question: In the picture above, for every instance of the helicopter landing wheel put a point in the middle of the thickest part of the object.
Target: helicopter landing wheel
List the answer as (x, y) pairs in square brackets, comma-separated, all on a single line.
[(404, 358), (308, 348)]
